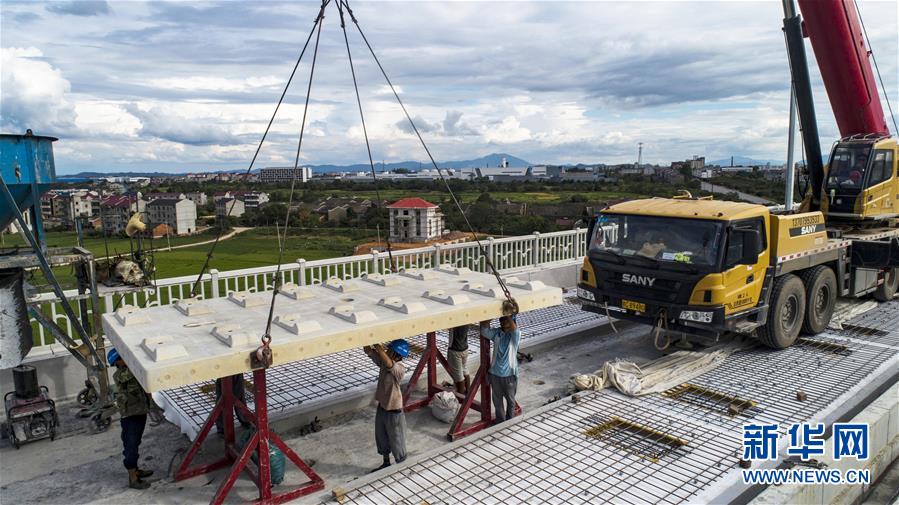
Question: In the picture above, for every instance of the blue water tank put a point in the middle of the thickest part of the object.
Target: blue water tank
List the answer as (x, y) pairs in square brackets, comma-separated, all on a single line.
[(24, 160)]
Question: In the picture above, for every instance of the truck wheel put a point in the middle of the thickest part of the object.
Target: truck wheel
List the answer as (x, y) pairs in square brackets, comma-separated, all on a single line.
[(820, 297), (886, 291), (786, 313)]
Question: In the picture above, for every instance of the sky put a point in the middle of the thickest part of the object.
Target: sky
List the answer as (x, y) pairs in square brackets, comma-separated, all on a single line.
[(187, 86)]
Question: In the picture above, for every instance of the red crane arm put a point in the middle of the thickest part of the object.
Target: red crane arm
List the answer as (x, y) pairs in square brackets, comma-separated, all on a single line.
[(836, 35)]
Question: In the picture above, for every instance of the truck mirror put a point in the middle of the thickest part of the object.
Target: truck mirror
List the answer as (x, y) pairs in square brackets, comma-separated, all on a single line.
[(751, 243), (590, 227)]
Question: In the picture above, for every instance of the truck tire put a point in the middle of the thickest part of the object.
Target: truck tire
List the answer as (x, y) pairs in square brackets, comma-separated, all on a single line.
[(820, 297), (786, 313), (886, 291)]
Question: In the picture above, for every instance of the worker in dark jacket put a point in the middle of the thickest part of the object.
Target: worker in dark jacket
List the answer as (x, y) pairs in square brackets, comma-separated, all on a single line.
[(457, 357), (390, 422), (133, 404)]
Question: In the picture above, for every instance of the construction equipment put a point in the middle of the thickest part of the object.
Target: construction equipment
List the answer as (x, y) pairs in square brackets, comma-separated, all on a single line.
[(27, 168), (135, 269), (705, 268), (30, 413), (860, 181)]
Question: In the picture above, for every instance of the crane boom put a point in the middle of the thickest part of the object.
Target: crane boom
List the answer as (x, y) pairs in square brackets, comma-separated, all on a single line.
[(805, 103), (835, 32)]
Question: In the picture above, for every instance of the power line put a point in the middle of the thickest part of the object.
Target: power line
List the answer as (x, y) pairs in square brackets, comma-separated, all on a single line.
[(883, 88)]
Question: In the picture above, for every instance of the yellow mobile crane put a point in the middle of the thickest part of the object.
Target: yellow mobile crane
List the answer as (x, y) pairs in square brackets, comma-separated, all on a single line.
[(706, 267)]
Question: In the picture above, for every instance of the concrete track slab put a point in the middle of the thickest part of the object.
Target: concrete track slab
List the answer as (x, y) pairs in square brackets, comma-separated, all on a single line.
[(197, 340), (302, 390)]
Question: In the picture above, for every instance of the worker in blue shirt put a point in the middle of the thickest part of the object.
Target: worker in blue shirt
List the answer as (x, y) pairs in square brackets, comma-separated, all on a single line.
[(503, 372)]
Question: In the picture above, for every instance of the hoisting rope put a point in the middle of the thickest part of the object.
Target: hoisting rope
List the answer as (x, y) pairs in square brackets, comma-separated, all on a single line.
[(282, 241), (510, 306), (877, 68), (318, 19), (371, 161), (661, 327)]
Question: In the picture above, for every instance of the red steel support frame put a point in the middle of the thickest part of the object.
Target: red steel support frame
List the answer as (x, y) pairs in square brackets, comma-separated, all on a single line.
[(239, 460), (480, 383)]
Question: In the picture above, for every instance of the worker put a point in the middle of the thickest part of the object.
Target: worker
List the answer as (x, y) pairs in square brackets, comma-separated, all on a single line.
[(457, 358), (390, 422), (503, 372), (855, 175), (652, 247), (239, 392), (133, 405)]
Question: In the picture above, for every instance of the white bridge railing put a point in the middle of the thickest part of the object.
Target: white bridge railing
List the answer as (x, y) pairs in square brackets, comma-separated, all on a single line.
[(507, 254)]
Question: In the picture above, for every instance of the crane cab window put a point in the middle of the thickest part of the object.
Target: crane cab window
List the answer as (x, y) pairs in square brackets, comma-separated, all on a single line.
[(881, 166), (847, 166)]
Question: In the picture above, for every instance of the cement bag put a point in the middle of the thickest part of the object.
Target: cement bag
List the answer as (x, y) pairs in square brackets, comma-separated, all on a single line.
[(275, 456), (444, 406)]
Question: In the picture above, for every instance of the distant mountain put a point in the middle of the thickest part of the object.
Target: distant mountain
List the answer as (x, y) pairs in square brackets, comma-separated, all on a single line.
[(743, 161), (491, 160), (94, 175)]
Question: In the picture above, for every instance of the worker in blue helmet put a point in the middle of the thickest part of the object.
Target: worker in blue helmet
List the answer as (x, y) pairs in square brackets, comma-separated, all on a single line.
[(503, 371), (390, 422), (133, 404)]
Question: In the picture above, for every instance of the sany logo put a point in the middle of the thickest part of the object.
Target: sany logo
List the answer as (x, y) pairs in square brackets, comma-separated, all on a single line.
[(638, 279)]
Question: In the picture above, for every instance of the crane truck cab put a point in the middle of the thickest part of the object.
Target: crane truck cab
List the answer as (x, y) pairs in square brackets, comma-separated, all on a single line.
[(706, 267), (862, 181)]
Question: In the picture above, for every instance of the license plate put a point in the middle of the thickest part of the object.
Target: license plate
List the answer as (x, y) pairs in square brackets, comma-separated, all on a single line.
[(635, 306)]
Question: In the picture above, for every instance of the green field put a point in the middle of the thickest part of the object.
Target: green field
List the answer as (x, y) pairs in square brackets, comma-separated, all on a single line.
[(259, 247), (252, 248), (97, 244), (554, 196)]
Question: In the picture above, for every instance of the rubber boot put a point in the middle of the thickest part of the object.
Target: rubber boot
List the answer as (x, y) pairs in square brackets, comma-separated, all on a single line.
[(134, 481), (460, 387), (144, 473), (384, 465)]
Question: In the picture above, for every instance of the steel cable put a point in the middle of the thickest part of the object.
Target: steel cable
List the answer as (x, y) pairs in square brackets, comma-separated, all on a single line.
[(877, 68), (365, 134), (487, 259), (193, 290), (266, 337)]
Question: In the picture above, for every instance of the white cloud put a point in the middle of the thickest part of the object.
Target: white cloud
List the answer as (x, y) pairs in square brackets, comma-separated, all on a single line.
[(172, 83), (209, 83), (35, 94), (168, 123), (508, 131)]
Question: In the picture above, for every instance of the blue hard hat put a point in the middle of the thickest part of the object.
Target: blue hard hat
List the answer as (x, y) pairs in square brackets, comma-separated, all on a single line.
[(399, 346), (112, 356)]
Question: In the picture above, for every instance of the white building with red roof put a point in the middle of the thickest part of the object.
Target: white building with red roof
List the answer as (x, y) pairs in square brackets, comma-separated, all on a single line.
[(415, 220)]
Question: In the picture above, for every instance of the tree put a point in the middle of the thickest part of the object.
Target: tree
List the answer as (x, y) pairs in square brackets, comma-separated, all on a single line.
[(305, 218), (577, 198), (485, 198)]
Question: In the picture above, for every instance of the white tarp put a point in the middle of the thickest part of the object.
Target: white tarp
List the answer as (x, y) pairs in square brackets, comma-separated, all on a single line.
[(654, 377)]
